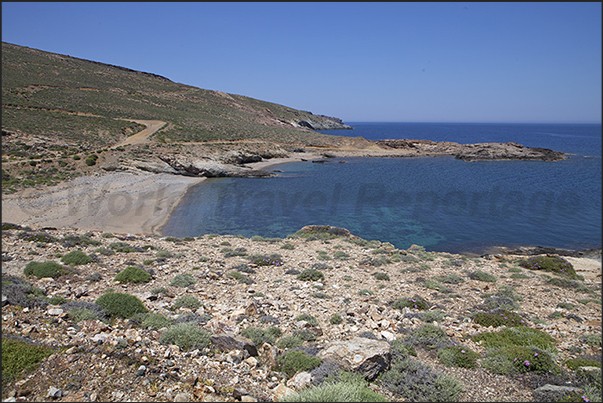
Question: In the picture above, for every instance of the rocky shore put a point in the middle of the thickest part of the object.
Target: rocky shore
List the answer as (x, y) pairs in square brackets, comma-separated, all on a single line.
[(255, 283)]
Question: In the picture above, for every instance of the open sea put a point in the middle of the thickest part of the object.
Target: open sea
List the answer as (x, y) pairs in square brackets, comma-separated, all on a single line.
[(441, 203)]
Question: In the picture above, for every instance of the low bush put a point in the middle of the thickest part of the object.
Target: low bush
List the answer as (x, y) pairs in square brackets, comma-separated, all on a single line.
[(519, 359), (498, 318), (458, 356), (310, 275), (364, 291), (381, 276), (121, 305), (415, 302), (293, 361), (228, 252), (187, 301), (575, 363), (428, 336), (45, 269), (153, 320), (187, 336), (288, 246), (133, 274), (400, 350), (593, 339), (341, 255), (311, 320), (304, 335), (335, 319), (416, 382), (266, 260), (183, 280), (289, 342), (553, 264), (516, 336), (451, 279), (81, 310), (42, 237), (124, 247), (20, 357), (482, 276)]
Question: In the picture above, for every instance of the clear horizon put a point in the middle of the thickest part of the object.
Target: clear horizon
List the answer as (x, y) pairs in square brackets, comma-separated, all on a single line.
[(360, 62)]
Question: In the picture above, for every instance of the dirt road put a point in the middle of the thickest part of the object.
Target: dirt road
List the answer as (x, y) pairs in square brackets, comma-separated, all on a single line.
[(143, 135)]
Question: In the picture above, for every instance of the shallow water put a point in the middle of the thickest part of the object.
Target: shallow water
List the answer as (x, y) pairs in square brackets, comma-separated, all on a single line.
[(441, 203)]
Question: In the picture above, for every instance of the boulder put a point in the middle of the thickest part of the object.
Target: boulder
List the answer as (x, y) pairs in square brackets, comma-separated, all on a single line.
[(366, 356), (553, 393), (228, 342)]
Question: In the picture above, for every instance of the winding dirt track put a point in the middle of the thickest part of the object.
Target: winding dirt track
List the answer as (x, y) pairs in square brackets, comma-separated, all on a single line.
[(142, 136)]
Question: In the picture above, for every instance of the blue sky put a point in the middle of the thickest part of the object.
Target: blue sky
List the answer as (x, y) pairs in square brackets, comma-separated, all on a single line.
[(399, 62)]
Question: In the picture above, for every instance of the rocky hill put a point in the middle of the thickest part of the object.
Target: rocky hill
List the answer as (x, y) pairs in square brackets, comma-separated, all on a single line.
[(98, 316)]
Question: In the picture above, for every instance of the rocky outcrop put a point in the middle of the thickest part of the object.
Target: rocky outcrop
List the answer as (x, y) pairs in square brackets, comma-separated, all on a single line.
[(472, 152), (366, 356), (320, 122), (210, 168)]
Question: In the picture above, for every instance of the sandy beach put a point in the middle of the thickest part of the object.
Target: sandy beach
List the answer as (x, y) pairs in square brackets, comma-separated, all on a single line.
[(131, 202)]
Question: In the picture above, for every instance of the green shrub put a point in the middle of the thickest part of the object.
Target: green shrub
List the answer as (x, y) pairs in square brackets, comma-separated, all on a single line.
[(566, 305), (289, 342), (80, 314), (154, 321), (124, 247), (482, 276), (121, 305), (335, 319), (42, 237), (187, 301), (553, 264), (434, 285), (187, 336), (519, 359), (400, 350), (107, 235), (350, 388), (304, 335), (593, 340), (45, 269), (451, 279), (183, 280), (311, 320), (498, 318), (566, 283), (433, 316), (311, 275), (20, 357), (458, 356), (415, 302), (266, 260), (288, 246), (295, 361), (321, 295), (91, 159), (228, 252), (364, 291), (416, 382), (133, 274), (105, 251), (516, 336), (381, 276)]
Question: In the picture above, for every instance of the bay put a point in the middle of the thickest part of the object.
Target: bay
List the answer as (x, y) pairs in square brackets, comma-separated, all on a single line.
[(440, 203)]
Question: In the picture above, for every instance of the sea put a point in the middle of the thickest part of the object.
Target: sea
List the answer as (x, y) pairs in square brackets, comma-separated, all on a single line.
[(440, 203)]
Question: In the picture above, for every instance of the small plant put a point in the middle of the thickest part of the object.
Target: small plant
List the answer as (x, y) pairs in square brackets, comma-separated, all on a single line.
[(154, 321), (295, 361), (80, 314), (163, 254), (516, 336), (458, 356), (415, 302), (261, 336), (228, 252), (288, 246), (187, 336), (575, 363), (235, 275), (321, 295), (311, 320), (482, 276), (289, 342), (91, 159), (264, 260), (593, 340), (120, 305), (183, 280), (310, 275), (335, 319), (451, 279), (187, 301), (364, 291), (520, 359), (553, 264), (381, 276), (566, 305), (133, 274), (498, 318), (429, 336), (341, 255), (41, 237)]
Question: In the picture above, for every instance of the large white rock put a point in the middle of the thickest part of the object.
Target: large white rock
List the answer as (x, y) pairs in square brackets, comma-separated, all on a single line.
[(366, 356)]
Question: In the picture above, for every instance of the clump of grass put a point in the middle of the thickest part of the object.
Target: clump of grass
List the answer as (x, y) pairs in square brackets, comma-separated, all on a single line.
[(553, 264), (429, 336), (187, 336), (481, 275), (593, 339), (228, 252), (186, 301), (364, 291), (124, 247), (335, 319), (451, 279), (346, 387), (381, 276), (519, 359), (295, 361), (321, 295), (289, 342), (575, 363), (121, 305), (41, 237), (183, 280), (414, 302), (133, 274), (288, 246), (20, 357), (310, 275), (341, 255)]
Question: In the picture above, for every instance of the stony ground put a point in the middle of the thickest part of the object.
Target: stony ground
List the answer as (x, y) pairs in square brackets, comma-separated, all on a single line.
[(120, 361)]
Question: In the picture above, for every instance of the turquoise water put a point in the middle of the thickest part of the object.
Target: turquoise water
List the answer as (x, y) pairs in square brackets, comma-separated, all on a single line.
[(441, 203)]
